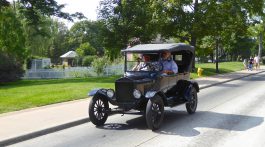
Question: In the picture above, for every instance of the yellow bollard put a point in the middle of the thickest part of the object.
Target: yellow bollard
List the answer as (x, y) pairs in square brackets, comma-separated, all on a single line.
[(199, 72)]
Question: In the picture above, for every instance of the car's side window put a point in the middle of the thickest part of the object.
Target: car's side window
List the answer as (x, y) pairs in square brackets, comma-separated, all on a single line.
[(178, 58)]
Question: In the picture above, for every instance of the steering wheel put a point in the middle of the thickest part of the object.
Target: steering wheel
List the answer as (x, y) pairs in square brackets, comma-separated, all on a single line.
[(156, 66), (145, 65)]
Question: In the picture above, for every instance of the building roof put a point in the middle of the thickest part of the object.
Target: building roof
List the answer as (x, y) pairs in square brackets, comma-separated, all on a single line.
[(142, 48), (70, 54)]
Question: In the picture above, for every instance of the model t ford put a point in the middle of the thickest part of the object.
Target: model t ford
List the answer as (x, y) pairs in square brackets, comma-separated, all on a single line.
[(147, 88)]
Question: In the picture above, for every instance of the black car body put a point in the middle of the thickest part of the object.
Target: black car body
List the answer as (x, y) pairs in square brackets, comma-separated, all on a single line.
[(148, 91)]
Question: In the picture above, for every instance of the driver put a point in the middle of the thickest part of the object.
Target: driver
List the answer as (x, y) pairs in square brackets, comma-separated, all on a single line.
[(169, 65), (144, 66)]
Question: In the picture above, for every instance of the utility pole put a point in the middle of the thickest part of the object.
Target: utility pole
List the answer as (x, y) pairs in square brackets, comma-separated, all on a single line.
[(193, 34), (260, 45), (216, 55)]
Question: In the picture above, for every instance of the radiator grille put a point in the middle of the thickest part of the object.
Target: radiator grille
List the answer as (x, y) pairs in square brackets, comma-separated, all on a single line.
[(124, 91)]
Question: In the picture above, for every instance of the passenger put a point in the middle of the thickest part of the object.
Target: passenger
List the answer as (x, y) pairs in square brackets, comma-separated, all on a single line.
[(142, 66), (137, 66), (169, 65)]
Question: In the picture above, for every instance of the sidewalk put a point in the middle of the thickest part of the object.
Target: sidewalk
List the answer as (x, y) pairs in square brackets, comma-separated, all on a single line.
[(30, 123)]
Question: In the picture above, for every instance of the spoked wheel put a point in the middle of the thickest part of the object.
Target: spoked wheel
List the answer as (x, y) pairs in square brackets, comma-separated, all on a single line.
[(192, 105), (98, 110), (154, 112)]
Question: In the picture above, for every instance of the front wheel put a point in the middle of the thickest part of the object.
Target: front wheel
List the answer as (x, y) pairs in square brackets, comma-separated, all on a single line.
[(191, 106), (98, 110), (154, 112)]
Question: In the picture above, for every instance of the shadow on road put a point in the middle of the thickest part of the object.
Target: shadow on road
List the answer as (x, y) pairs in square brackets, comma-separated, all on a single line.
[(180, 123)]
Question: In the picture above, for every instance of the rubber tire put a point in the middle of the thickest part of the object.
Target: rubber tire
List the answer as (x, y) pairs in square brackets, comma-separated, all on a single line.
[(92, 116), (149, 113), (192, 106)]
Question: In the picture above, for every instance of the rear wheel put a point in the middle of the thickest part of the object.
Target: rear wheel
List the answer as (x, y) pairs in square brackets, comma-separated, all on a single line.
[(98, 110), (191, 106), (154, 112)]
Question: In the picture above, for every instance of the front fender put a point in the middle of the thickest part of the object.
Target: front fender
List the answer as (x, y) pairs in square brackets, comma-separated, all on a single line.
[(103, 93), (151, 94), (93, 92)]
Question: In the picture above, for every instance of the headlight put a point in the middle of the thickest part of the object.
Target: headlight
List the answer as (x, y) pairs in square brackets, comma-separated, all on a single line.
[(136, 93), (150, 94), (110, 93)]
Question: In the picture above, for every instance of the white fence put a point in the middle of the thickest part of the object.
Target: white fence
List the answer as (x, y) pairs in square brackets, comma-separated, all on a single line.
[(72, 72)]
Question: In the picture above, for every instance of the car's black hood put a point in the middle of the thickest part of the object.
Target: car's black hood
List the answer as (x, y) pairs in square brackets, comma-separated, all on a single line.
[(135, 79)]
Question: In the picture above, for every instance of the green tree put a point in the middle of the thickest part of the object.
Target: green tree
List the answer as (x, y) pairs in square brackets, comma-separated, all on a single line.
[(86, 31), (59, 46), (85, 49), (193, 20), (33, 9), (12, 39), (12, 46), (123, 20), (257, 31), (39, 41)]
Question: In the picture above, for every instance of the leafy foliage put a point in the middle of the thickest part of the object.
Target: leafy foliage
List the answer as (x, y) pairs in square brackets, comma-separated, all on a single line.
[(12, 46), (123, 20), (188, 21), (85, 49), (87, 60), (86, 32), (33, 9), (10, 68), (99, 64), (12, 39)]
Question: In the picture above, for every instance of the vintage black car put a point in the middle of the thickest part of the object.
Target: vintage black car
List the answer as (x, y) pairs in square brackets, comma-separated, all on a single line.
[(148, 90)]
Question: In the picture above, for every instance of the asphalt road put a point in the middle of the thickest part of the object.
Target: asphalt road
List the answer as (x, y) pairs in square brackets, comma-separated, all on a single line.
[(230, 114)]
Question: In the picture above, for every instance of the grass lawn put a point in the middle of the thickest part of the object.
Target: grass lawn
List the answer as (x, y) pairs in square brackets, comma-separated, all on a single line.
[(32, 93), (224, 67)]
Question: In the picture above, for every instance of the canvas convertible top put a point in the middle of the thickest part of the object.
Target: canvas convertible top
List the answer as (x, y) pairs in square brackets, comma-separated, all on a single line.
[(150, 48)]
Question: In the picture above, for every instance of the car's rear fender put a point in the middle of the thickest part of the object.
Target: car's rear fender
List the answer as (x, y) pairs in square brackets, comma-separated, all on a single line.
[(183, 84), (195, 85)]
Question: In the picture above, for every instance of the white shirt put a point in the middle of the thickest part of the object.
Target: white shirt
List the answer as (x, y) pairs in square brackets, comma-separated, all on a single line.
[(256, 59)]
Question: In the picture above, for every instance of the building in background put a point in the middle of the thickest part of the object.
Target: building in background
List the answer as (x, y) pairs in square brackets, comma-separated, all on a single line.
[(68, 58)]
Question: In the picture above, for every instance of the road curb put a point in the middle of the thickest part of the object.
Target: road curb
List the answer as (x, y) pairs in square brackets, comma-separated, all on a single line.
[(82, 121), (210, 85), (43, 132)]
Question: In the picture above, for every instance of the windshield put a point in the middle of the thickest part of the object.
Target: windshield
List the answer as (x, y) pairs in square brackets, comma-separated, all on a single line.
[(143, 62)]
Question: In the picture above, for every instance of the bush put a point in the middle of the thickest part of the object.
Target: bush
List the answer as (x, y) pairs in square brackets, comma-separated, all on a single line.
[(87, 60), (10, 69), (99, 64)]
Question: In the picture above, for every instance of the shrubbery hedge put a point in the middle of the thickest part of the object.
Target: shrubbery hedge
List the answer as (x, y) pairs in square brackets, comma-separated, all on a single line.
[(10, 69)]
